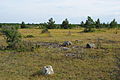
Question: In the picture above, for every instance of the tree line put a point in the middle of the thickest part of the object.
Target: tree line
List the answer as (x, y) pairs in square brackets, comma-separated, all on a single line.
[(88, 24)]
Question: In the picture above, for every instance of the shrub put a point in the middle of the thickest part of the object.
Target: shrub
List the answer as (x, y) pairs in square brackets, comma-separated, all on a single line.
[(14, 40), (12, 36), (45, 31)]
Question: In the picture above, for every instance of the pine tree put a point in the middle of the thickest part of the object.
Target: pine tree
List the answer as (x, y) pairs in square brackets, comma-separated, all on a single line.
[(0, 25), (50, 24), (90, 20), (98, 24), (65, 24), (113, 24), (23, 25), (89, 25), (82, 24)]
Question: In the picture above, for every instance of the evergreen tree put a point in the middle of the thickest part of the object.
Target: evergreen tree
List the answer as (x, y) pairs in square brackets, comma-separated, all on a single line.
[(50, 24), (82, 24), (103, 25), (0, 25), (89, 25), (113, 24), (108, 25), (65, 24), (23, 25), (98, 24), (89, 22)]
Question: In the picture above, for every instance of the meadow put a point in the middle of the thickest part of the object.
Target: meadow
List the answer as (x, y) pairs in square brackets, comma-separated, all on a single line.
[(88, 64)]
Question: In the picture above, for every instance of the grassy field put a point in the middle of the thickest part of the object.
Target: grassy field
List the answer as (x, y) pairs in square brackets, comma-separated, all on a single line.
[(92, 64)]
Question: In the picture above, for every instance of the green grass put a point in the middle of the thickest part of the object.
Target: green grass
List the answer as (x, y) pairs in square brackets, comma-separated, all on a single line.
[(95, 64)]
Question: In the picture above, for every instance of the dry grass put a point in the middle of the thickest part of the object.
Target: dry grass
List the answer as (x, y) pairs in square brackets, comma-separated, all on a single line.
[(97, 64)]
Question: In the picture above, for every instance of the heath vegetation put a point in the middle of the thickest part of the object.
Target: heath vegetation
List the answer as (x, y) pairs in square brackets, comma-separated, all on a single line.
[(26, 48)]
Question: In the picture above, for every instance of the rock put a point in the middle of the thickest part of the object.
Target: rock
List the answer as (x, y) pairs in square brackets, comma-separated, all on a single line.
[(78, 40), (50, 47), (67, 43), (65, 48), (47, 70), (76, 47), (70, 55), (90, 45)]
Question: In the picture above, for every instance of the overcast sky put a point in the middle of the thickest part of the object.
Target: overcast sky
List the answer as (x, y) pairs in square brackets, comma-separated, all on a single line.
[(34, 11)]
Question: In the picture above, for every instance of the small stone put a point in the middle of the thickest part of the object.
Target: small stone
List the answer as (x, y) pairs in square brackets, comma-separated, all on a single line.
[(90, 45), (70, 55), (78, 40), (47, 70), (76, 47), (65, 48), (67, 43), (50, 47)]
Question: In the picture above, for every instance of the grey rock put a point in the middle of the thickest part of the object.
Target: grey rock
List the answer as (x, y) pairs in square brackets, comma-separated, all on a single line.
[(78, 40), (76, 47), (67, 43), (90, 45), (47, 70), (50, 47), (65, 48), (70, 55)]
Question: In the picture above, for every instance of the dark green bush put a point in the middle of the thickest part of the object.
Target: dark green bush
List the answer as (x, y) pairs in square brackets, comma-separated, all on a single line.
[(0, 25), (14, 40), (12, 36)]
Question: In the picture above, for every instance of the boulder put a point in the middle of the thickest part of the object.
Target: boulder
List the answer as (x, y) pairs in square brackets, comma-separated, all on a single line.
[(67, 43), (90, 45), (47, 70)]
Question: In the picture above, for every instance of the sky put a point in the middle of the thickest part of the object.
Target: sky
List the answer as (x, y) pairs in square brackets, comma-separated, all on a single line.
[(39, 11)]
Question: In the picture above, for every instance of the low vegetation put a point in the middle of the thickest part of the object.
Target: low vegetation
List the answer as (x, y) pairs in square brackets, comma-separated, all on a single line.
[(12, 36), (78, 63), (24, 51)]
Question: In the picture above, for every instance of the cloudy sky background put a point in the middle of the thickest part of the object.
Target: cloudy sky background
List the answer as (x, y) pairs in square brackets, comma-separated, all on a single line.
[(36, 11)]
